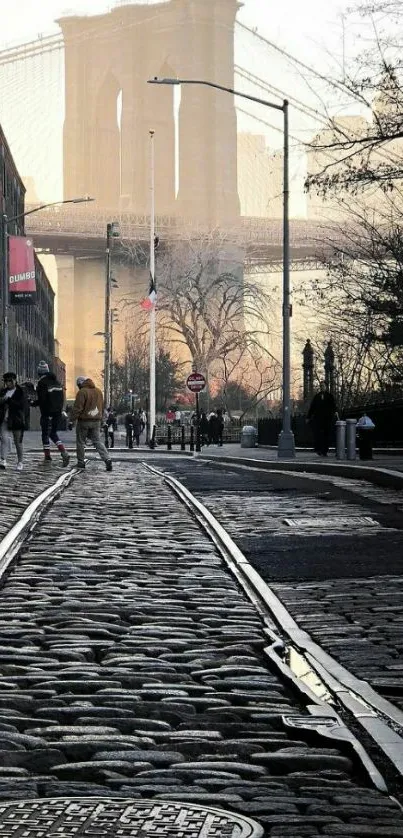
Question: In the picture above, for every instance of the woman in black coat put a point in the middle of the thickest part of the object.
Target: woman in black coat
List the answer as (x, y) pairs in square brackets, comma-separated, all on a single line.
[(14, 418)]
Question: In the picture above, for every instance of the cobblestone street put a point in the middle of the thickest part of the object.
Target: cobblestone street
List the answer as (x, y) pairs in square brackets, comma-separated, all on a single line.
[(344, 532), (132, 665)]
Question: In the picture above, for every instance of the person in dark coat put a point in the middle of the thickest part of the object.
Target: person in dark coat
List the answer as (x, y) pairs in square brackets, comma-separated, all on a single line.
[(14, 418), (50, 399), (322, 414), (129, 429), (220, 427), (203, 425), (110, 426), (137, 427), (213, 429)]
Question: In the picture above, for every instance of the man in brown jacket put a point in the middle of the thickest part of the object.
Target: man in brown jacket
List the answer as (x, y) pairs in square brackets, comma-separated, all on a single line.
[(87, 413)]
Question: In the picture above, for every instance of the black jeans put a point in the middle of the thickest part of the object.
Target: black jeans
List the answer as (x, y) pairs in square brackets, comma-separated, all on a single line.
[(49, 430), (321, 436)]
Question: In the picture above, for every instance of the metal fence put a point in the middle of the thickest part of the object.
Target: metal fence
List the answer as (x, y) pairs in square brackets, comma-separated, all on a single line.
[(387, 416), (231, 434)]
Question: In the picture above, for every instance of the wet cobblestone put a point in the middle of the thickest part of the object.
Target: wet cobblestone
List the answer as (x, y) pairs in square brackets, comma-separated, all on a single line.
[(19, 488), (131, 665), (328, 580)]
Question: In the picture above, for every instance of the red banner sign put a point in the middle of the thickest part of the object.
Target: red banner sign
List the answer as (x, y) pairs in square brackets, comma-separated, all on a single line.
[(21, 271)]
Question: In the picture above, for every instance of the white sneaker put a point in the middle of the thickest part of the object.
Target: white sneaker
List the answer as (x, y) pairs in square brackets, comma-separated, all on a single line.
[(20, 466), (3, 464)]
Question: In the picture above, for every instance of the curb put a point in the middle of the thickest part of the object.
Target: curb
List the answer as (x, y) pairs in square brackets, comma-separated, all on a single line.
[(387, 478)]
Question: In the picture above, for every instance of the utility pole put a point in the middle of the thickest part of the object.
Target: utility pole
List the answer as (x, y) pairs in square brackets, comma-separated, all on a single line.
[(112, 231), (152, 310)]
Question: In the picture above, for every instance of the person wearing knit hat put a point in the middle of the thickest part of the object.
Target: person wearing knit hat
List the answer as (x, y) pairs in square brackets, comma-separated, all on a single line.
[(50, 399), (43, 368)]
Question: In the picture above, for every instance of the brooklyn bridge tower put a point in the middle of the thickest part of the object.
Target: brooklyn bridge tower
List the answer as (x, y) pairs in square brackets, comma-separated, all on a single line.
[(110, 109)]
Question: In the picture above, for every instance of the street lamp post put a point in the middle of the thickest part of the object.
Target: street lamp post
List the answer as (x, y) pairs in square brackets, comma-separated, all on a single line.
[(5, 278), (112, 231), (286, 444), (153, 316)]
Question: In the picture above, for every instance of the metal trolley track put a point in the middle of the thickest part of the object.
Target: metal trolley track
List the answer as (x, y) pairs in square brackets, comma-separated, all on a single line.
[(304, 663), (12, 542)]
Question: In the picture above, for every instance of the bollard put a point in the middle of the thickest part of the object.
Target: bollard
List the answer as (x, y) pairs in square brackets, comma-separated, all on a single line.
[(169, 438), (351, 433), (183, 444), (340, 440), (192, 438)]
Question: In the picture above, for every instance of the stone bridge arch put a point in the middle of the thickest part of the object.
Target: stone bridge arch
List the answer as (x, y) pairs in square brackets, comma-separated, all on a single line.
[(120, 50)]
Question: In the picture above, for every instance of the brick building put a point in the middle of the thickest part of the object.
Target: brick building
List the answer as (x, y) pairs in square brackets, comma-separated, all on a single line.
[(31, 327)]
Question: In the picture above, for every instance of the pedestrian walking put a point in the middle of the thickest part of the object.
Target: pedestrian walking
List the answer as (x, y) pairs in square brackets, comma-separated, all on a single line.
[(212, 429), (14, 418), (322, 414), (143, 419), (136, 428), (129, 429), (204, 429), (87, 413), (220, 427), (110, 426), (50, 399)]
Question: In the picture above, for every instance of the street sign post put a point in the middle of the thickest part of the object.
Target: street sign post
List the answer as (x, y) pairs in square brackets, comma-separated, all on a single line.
[(196, 382)]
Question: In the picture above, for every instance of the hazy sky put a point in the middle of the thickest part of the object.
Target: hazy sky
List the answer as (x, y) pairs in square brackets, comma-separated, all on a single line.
[(311, 27), (312, 31)]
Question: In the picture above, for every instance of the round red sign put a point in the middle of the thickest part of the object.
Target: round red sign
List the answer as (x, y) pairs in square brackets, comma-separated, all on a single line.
[(195, 382)]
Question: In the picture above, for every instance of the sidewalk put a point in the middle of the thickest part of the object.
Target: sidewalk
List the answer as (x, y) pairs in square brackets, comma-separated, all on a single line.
[(384, 470)]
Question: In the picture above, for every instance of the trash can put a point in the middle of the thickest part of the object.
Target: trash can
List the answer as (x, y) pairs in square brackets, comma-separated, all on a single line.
[(248, 436), (365, 430)]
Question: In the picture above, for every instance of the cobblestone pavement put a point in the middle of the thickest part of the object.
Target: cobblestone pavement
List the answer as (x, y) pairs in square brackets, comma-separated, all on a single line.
[(18, 489), (131, 665), (339, 574)]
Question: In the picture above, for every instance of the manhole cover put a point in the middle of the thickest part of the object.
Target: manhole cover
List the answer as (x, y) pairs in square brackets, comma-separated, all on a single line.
[(95, 817), (331, 523)]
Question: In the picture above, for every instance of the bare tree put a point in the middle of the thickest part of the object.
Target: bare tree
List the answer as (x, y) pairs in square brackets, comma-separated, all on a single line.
[(355, 155), (359, 301), (253, 369), (206, 308)]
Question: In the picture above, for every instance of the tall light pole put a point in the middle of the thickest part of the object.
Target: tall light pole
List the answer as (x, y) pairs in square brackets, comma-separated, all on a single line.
[(152, 278), (112, 231), (113, 319), (5, 277), (286, 444)]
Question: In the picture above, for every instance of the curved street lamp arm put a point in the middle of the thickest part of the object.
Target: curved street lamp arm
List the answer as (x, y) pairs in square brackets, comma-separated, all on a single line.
[(45, 206), (219, 87)]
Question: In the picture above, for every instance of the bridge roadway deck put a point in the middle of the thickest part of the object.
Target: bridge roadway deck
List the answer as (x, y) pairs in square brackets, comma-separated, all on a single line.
[(132, 666), (82, 232)]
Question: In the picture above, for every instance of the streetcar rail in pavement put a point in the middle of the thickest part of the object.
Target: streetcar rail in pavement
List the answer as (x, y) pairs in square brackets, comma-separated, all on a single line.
[(11, 543), (375, 714)]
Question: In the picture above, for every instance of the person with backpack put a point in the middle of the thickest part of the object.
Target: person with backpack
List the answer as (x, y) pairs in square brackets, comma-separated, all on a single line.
[(14, 418), (50, 399)]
